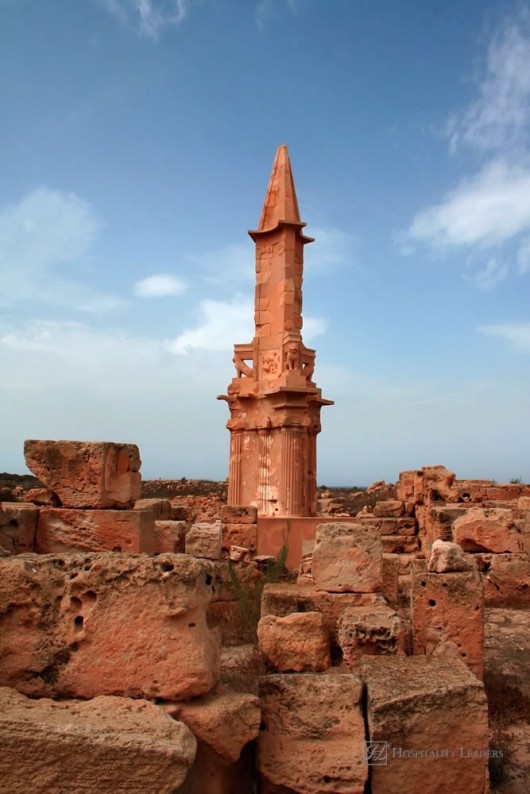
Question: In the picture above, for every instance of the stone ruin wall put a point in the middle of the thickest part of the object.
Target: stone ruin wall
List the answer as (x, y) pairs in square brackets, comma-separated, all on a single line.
[(129, 659)]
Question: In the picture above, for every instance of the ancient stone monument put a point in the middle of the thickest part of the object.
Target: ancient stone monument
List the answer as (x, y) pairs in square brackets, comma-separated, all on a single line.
[(274, 403)]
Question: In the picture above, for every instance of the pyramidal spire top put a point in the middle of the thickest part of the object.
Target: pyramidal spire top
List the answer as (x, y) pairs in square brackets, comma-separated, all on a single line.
[(280, 202)]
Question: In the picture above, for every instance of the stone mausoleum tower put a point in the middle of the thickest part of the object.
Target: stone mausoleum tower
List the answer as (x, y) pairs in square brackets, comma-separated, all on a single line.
[(274, 403)]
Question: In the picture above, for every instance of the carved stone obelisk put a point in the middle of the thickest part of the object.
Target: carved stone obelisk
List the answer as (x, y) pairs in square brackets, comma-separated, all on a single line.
[(274, 403)]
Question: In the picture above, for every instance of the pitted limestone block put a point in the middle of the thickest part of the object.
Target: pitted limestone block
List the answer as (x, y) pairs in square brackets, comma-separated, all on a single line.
[(161, 508), (312, 737), (205, 540), (506, 579), (108, 745), (225, 721), (81, 625), (245, 535), (63, 529), (85, 473), (284, 598), (18, 523), (427, 726), (369, 631), (447, 611), (239, 514), (389, 508), (491, 529), (448, 557), (296, 643), (170, 536), (347, 558)]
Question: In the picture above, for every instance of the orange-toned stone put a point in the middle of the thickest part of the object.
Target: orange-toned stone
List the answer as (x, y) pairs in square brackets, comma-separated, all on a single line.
[(285, 598), (391, 570), (42, 496), (225, 721), (245, 535), (347, 558), (447, 557), (241, 667), (61, 529), (430, 719), (447, 611), (169, 536), (404, 525), (389, 508), (161, 508), (86, 473), (104, 745), (506, 579), (296, 643), (312, 737), (18, 523), (204, 540), (239, 514), (82, 625), (400, 544), (435, 522), (369, 631), (274, 404), (491, 529)]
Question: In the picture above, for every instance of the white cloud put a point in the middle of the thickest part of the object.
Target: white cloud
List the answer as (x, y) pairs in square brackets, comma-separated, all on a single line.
[(43, 240), (228, 265), (160, 285), (491, 274), (149, 17), (517, 334), (223, 323), (486, 210), (523, 256), (500, 116)]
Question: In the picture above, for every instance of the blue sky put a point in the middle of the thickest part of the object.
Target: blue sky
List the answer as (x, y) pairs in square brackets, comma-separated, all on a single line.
[(136, 142)]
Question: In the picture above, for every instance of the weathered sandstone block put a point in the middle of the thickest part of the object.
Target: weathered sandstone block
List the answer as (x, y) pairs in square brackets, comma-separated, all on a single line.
[(241, 667), (390, 572), (312, 737), (62, 529), (161, 508), (169, 537), (285, 598), (435, 522), (400, 544), (18, 523), (506, 579), (403, 525), (108, 745), (204, 540), (347, 558), (448, 557), (245, 535), (239, 514), (448, 616), (297, 642), (369, 631), (87, 473), (389, 508), (225, 721), (92, 624), (490, 529), (428, 719)]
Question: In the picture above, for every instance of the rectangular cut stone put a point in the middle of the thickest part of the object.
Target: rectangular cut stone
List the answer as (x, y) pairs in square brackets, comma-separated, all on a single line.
[(400, 544), (403, 525), (347, 558), (82, 625), (239, 514), (428, 719), (285, 598), (87, 473), (61, 529), (245, 535), (18, 523), (160, 507), (105, 745), (297, 642), (205, 540), (506, 579), (369, 631), (389, 508), (169, 536), (312, 736), (436, 522), (447, 611)]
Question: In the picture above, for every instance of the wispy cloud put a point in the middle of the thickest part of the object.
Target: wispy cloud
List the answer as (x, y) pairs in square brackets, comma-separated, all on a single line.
[(149, 17), (161, 285), (266, 9), (517, 334), (44, 239), (500, 116), (490, 209)]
